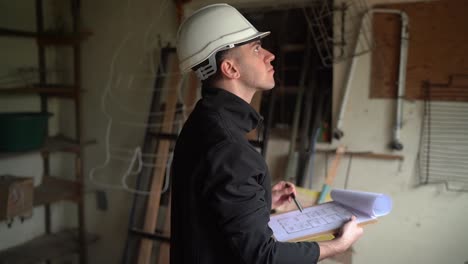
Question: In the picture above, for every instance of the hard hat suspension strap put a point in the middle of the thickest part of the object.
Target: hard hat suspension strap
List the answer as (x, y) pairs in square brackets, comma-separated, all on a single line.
[(203, 72)]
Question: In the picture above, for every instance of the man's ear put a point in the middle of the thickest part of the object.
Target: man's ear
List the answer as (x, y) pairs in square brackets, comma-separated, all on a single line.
[(229, 69)]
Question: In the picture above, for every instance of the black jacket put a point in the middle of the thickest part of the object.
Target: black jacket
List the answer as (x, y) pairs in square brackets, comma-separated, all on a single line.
[(221, 190)]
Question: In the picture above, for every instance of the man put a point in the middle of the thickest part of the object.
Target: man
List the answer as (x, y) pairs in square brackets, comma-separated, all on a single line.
[(221, 188)]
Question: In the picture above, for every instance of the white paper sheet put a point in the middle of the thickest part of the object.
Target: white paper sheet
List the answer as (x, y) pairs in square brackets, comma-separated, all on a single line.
[(321, 218), (372, 204)]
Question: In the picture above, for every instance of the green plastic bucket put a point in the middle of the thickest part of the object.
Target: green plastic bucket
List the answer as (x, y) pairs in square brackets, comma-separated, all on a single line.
[(22, 131)]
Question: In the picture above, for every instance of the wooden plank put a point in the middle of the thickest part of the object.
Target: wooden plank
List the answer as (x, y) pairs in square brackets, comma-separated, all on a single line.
[(437, 47), (365, 154), (330, 178), (372, 155), (52, 144), (48, 37), (164, 250), (64, 40), (162, 153), (54, 189), (334, 167), (44, 247), (65, 91)]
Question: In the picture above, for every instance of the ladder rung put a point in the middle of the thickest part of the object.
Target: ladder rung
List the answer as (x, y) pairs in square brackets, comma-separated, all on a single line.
[(151, 236)]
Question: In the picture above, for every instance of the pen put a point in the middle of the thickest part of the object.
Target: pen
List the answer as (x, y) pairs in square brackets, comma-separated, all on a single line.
[(294, 198), (296, 202)]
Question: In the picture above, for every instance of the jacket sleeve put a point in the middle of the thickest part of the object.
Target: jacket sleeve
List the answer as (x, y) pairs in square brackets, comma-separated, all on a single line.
[(234, 193)]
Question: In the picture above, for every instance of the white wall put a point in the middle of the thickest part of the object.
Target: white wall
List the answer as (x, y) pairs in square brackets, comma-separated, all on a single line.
[(123, 47), (422, 227)]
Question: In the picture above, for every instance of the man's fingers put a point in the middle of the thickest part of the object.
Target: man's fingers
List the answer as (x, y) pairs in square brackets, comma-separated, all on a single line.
[(285, 192), (279, 186), (292, 187)]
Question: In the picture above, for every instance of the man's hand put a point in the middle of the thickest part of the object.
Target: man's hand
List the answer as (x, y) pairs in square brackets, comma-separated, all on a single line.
[(349, 234), (281, 193)]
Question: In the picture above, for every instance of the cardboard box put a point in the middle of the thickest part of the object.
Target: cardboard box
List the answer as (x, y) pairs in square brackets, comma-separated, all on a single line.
[(16, 197)]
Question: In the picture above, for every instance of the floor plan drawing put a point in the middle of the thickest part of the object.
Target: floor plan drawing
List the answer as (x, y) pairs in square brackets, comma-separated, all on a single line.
[(315, 217)]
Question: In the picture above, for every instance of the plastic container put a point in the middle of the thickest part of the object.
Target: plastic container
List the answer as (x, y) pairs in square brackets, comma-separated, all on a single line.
[(22, 131)]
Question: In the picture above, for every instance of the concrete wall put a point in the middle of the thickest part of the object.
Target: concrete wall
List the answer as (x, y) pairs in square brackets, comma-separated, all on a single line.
[(422, 227)]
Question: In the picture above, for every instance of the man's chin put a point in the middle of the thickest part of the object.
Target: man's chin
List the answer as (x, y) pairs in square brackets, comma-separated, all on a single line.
[(266, 88), (270, 85)]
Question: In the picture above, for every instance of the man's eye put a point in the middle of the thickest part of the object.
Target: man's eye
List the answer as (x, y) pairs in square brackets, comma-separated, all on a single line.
[(257, 49)]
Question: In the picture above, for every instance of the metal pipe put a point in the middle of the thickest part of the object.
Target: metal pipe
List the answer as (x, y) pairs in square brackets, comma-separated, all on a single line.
[(404, 37)]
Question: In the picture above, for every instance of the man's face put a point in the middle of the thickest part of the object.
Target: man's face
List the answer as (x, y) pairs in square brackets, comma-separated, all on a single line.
[(255, 68)]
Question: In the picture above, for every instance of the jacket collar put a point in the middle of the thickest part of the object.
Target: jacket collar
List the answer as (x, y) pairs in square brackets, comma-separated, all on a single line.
[(242, 114)]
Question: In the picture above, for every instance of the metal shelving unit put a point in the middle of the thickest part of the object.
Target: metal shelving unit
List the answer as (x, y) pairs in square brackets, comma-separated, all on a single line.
[(54, 189)]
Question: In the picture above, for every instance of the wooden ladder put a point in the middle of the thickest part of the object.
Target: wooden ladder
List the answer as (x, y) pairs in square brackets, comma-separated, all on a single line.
[(145, 217)]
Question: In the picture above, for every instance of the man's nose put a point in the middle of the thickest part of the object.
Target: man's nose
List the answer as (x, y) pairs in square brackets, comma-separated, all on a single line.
[(269, 56)]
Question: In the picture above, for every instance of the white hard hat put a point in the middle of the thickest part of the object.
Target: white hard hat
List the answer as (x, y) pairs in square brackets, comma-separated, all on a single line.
[(209, 30)]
